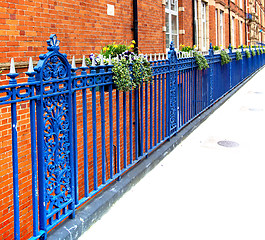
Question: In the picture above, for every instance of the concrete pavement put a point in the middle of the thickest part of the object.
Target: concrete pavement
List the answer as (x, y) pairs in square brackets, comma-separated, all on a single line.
[(209, 187)]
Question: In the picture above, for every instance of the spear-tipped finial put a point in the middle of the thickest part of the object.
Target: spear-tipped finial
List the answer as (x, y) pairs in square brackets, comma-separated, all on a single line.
[(93, 61), (12, 74), (73, 62), (30, 69), (84, 61), (12, 66)]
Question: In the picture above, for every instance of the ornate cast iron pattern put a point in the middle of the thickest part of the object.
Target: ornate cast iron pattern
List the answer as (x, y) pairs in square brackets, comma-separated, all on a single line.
[(54, 68), (55, 77), (56, 149), (173, 85)]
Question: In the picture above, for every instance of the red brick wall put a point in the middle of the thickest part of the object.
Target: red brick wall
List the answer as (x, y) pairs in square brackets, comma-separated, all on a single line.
[(186, 23), (151, 18), (212, 26), (82, 26)]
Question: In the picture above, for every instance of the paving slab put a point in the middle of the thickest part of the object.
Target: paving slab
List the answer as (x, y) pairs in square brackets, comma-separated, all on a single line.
[(210, 187)]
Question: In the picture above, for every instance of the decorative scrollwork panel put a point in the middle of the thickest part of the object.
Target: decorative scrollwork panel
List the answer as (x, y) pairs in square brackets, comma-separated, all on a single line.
[(57, 151)]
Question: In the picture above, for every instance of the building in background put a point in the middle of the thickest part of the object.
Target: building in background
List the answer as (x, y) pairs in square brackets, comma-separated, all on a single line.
[(255, 22), (213, 21), (86, 26)]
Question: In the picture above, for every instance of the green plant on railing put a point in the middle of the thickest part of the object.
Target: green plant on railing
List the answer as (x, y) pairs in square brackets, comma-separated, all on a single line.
[(244, 46), (248, 54), (116, 49), (253, 52), (201, 61), (225, 58), (187, 48), (232, 47), (261, 51), (258, 51), (129, 70), (238, 55), (122, 75), (216, 48), (141, 71), (127, 76)]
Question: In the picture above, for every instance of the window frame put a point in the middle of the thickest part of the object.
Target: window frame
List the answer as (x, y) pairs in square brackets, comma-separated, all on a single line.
[(221, 28), (204, 25), (171, 12)]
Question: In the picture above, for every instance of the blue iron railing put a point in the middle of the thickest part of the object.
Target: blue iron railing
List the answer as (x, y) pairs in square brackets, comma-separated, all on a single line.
[(84, 134)]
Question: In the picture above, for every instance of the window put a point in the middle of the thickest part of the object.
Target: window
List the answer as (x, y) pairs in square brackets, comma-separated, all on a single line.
[(233, 31), (241, 33), (203, 26), (172, 23), (221, 29), (216, 26), (196, 23), (240, 4)]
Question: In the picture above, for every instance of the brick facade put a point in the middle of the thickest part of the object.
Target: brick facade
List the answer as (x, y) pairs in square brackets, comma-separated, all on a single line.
[(84, 27)]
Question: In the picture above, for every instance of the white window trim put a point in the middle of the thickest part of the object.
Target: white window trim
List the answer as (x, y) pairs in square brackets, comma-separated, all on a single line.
[(204, 25), (196, 23), (241, 32), (170, 13), (233, 30), (222, 28)]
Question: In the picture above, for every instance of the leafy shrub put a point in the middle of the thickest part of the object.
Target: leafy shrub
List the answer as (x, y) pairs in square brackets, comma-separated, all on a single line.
[(248, 54), (225, 58), (201, 61), (215, 48), (116, 49), (187, 48), (129, 70), (238, 55)]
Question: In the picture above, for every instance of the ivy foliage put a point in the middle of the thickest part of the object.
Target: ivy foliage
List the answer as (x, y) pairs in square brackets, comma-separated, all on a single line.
[(122, 75), (129, 70), (248, 54), (238, 55), (225, 58), (258, 51), (201, 61), (253, 52), (128, 76)]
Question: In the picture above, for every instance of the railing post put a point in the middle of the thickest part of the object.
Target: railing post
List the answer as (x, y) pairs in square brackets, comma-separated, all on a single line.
[(54, 137), (211, 65), (74, 119), (31, 78), (242, 64), (230, 67), (13, 82), (250, 61), (172, 91)]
